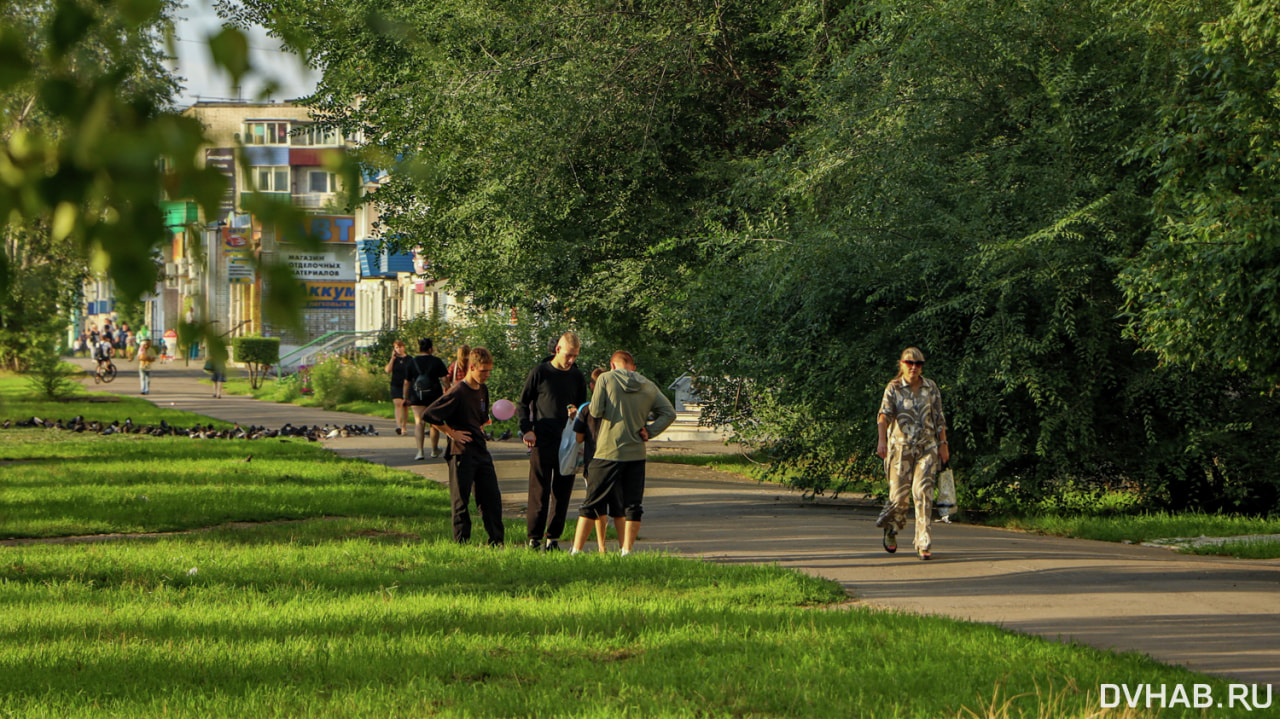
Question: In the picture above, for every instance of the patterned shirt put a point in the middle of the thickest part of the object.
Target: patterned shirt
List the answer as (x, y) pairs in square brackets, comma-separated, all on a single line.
[(916, 418)]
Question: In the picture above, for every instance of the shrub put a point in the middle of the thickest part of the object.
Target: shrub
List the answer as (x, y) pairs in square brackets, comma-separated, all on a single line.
[(50, 378), (336, 380), (259, 354)]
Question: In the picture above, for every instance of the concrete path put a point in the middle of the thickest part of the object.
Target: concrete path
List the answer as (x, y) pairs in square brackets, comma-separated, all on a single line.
[(1212, 615)]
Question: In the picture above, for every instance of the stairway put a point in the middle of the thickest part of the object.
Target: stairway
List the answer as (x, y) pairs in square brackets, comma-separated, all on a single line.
[(686, 429)]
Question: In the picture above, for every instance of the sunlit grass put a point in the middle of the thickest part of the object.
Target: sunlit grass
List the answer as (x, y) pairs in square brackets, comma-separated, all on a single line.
[(382, 617), (1242, 548), (356, 604), (1145, 527)]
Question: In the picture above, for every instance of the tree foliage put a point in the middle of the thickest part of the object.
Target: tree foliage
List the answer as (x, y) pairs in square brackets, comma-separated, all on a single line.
[(1206, 289), (566, 157), (91, 145), (259, 354), (786, 193)]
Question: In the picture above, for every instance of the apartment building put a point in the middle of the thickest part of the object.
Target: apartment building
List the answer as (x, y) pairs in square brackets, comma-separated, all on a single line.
[(274, 148)]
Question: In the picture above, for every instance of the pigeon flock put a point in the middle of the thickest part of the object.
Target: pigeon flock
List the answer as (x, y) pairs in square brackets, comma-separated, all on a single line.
[(164, 429)]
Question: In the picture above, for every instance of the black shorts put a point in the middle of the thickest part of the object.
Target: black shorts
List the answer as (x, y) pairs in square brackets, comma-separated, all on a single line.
[(397, 390), (617, 482)]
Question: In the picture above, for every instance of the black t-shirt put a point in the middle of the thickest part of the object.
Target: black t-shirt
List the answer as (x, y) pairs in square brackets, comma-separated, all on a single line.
[(399, 370), (464, 409), (547, 393), (433, 368), (589, 427)]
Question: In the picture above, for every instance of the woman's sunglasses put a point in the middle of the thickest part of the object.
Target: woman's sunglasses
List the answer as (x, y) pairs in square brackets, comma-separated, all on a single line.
[(914, 363)]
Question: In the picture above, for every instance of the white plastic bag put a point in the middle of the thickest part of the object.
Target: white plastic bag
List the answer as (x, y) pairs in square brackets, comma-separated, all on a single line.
[(946, 501), (570, 450)]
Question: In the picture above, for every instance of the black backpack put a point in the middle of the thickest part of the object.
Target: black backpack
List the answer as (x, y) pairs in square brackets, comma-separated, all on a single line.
[(422, 384)]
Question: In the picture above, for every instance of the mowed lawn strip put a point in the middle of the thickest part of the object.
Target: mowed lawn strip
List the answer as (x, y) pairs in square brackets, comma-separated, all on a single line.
[(364, 608), (373, 618)]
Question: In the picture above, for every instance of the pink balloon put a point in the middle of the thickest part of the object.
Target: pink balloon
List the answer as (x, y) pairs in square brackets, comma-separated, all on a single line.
[(503, 409)]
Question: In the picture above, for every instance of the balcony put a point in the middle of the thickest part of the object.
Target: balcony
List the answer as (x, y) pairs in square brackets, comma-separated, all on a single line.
[(315, 200)]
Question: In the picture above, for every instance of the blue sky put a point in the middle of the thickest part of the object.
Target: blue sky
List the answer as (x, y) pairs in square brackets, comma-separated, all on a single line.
[(199, 21)]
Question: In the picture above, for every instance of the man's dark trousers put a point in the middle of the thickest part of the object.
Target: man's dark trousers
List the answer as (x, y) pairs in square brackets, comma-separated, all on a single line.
[(547, 487)]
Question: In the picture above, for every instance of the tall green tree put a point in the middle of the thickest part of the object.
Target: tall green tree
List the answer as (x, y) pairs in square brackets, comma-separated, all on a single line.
[(962, 187), (561, 157), (1206, 289), (787, 193)]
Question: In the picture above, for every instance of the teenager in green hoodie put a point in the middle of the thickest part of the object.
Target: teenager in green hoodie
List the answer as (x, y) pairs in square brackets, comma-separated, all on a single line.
[(623, 401)]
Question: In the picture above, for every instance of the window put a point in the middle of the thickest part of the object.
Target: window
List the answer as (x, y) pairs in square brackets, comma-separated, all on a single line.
[(316, 136), (319, 181), (266, 133), (270, 178)]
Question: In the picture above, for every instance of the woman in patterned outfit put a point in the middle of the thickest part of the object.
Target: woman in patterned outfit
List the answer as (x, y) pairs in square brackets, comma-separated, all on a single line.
[(913, 444)]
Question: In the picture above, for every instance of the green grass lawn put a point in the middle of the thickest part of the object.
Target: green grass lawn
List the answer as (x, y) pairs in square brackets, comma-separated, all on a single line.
[(360, 606), (1161, 525)]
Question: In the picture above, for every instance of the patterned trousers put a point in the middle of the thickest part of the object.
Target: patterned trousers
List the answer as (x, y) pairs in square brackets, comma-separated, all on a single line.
[(911, 477)]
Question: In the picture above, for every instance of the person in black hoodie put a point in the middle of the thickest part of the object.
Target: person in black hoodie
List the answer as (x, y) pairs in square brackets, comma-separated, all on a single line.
[(461, 414), (551, 395)]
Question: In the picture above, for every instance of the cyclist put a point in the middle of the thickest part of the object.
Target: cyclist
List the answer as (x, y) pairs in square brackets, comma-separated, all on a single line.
[(103, 353)]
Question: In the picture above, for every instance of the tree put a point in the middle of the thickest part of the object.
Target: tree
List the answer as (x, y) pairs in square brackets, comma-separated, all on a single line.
[(1206, 289), (259, 354), (91, 147), (961, 187), (789, 193), (557, 157), (83, 94)]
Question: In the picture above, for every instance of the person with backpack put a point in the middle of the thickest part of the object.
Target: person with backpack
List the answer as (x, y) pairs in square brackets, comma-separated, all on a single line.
[(421, 388)]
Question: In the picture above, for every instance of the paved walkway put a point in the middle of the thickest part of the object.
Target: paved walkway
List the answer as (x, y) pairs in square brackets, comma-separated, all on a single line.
[(1213, 615)]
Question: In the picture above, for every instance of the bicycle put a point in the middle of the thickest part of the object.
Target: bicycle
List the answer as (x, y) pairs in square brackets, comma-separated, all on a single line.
[(105, 372)]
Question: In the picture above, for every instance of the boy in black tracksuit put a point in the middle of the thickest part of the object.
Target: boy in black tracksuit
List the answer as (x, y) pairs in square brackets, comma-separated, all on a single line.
[(551, 395), (461, 414)]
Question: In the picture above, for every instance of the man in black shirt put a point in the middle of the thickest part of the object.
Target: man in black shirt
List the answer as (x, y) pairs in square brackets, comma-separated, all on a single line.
[(426, 364), (461, 415), (551, 395)]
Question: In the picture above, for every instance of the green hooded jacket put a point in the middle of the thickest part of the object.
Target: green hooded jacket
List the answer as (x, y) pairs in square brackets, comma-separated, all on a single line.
[(623, 401)]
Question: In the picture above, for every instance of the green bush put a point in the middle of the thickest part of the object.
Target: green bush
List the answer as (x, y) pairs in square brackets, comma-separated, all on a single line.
[(258, 354), (50, 378), (337, 380)]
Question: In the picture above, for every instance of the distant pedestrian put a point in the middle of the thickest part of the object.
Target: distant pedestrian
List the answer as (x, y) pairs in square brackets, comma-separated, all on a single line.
[(551, 395), (912, 441), (420, 395), (217, 368), (623, 401), (587, 427), (398, 368), (146, 356), (458, 369), (461, 414)]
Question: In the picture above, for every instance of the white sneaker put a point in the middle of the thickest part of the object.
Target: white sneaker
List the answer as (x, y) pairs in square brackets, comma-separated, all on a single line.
[(419, 455), (435, 453), (624, 552)]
